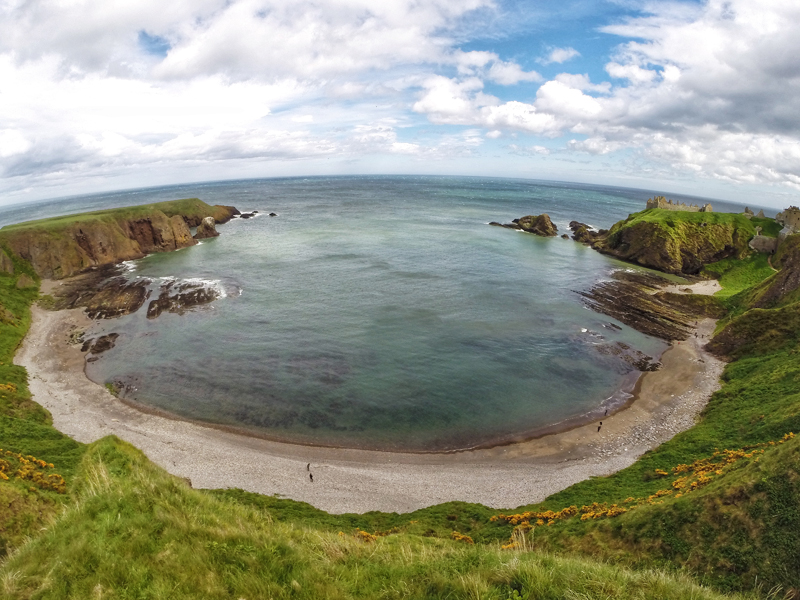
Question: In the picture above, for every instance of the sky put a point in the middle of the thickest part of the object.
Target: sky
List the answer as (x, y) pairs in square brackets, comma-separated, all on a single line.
[(688, 97)]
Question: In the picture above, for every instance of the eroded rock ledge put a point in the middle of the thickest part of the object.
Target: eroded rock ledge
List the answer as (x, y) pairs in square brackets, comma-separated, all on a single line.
[(63, 246)]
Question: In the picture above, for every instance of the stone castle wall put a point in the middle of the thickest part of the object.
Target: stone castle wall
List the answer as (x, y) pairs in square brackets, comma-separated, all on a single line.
[(664, 204)]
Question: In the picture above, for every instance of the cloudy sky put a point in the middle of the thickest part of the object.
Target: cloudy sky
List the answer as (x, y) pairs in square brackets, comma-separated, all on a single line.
[(692, 97)]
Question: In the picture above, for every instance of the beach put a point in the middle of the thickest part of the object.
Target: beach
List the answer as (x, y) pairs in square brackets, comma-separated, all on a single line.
[(345, 480)]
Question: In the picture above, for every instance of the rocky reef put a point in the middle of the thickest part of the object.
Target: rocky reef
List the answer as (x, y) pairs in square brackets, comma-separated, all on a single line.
[(537, 224), (103, 292), (63, 246), (638, 300), (178, 297)]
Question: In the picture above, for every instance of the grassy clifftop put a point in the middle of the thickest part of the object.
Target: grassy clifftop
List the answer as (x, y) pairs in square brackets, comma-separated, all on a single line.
[(681, 242), (62, 246)]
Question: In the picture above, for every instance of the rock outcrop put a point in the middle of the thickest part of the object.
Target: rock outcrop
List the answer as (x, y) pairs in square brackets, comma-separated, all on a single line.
[(178, 298), (25, 281), (64, 246), (637, 300), (206, 229), (680, 245), (538, 224), (6, 265)]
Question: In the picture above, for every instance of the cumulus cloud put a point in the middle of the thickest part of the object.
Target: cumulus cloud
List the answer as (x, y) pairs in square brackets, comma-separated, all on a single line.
[(98, 88), (709, 89), (559, 55)]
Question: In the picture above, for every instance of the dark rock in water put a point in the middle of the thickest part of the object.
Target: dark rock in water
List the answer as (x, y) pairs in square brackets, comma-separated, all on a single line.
[(102, 292), (575, 225), (180, 298), (101, 344), (584, 236), (564, 236), (255, 212), (206, 229), (247, 215), (538, 224), (273, 214), (116, 298), (632, 357)]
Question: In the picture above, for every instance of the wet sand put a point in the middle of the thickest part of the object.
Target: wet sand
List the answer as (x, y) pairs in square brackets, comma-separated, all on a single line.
[(666, 402)]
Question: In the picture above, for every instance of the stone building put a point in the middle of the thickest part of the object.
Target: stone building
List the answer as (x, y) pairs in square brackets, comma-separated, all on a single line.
[(664, 204), (790, 218)]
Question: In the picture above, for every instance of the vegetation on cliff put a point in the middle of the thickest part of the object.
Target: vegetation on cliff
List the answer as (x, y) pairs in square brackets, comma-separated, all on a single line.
[(719, 502), (63, 246), (681, 242)]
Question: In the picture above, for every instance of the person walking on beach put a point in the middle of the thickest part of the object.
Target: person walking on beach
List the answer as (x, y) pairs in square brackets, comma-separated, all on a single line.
[(599, 426), (311, 477), (308, 467)]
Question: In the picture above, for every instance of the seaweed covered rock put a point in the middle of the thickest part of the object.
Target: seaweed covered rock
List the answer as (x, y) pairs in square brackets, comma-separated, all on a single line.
[(677, 242), (538, 224)]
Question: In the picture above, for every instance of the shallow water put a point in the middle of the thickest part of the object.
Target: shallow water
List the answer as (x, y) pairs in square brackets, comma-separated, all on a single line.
[(381, 312)]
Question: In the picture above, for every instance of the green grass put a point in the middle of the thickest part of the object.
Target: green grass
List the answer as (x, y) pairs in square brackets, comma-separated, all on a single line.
[(133, 531), (737, 275), (186, 207), (24, 425)]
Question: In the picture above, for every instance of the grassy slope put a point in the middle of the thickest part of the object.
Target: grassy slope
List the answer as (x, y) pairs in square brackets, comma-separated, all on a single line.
[(182, 531), (189, 207), (24, 425), (135, 532)]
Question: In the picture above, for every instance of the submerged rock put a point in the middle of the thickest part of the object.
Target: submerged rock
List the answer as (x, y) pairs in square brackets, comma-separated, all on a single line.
[(206, 229), (179, 298), (101, 344)]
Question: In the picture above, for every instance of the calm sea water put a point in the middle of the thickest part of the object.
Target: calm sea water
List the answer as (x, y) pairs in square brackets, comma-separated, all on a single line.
[(377, 312)]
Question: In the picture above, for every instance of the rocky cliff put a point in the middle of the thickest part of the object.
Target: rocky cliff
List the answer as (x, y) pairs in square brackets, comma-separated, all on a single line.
[(677, 242), (64, 246)]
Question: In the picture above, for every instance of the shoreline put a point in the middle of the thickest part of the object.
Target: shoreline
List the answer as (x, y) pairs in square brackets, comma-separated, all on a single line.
[(351, 480)]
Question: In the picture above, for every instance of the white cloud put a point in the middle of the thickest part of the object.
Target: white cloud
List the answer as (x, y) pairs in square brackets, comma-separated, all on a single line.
[(509, 73), (560, 55)]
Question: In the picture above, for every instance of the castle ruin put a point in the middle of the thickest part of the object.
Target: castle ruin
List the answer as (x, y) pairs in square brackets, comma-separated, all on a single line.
[(664, 204)]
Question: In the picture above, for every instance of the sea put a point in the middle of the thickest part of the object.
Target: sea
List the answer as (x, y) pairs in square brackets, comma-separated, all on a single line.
[(378, 312)]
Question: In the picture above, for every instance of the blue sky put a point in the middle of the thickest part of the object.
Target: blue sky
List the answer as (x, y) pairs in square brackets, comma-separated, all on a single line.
[(689, 97)]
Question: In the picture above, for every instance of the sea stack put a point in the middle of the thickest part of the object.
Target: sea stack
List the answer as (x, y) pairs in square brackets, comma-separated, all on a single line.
[(206, 229)]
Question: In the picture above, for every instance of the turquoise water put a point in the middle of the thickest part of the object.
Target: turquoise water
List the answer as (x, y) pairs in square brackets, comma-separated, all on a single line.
[(381, 312)]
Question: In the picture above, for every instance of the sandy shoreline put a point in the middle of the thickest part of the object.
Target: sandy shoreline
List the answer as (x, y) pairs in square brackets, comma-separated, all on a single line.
[(667, 402)]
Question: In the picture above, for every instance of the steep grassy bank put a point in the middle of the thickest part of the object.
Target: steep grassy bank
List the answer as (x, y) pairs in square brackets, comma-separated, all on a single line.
[(62, 246), (31, 500), (132, 531)]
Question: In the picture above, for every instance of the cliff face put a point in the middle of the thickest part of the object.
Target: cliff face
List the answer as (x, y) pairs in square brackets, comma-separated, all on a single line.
[(64, 246), (680, 243)]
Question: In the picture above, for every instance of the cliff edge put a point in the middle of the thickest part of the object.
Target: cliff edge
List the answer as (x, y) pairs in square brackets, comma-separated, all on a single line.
[(680, 243), (63, 246)]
